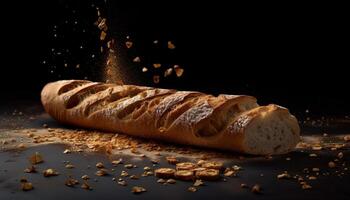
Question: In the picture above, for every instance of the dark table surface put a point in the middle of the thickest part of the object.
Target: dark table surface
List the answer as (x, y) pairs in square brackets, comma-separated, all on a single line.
[(257, 170)]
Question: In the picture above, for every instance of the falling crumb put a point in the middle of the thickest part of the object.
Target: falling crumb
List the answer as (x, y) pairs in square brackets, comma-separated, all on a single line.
[(136, 59), (256, 189), (168, 72), (157, 65), (77, 66), (156, 79), (138, 189), (128, 44), (243, 185), (155, 42), (171, 45), (45, 126), (288, 159), (178, 70), (192, 189), (144, 69), (331, 164)]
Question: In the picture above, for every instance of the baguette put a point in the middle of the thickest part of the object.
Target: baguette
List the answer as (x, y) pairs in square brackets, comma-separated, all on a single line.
[(228, 122)]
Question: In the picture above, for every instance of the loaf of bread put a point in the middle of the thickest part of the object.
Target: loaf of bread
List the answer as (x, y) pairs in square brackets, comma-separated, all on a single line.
[(228, 122)]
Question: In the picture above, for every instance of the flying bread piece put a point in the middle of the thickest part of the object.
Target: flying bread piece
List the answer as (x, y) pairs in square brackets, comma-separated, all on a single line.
[(229, 122)]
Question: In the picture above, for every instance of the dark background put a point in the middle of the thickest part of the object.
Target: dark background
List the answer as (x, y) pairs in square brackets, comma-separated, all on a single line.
[(292, 55)]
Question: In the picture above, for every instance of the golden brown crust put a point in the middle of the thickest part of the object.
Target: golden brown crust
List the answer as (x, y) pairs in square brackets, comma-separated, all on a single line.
[(190, 118)]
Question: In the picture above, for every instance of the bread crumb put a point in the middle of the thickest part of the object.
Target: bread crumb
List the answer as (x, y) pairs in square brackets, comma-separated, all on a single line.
[(156, 79), (36, 158), (136, 59), (331, 164), (171, 45), (178, 70), (256, 189), (67, 151), (192, 189), (138, 189), (86, 186), (128, 44), (198, 182), (70, 182), (99, 165), (27, 186), (171, 181), (50, 172), (168, 72), (284, 175), (157, 65), (30, 169), (69, 166)]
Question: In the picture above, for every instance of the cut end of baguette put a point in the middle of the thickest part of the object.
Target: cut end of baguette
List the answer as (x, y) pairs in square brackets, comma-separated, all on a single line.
[(273, 131)]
